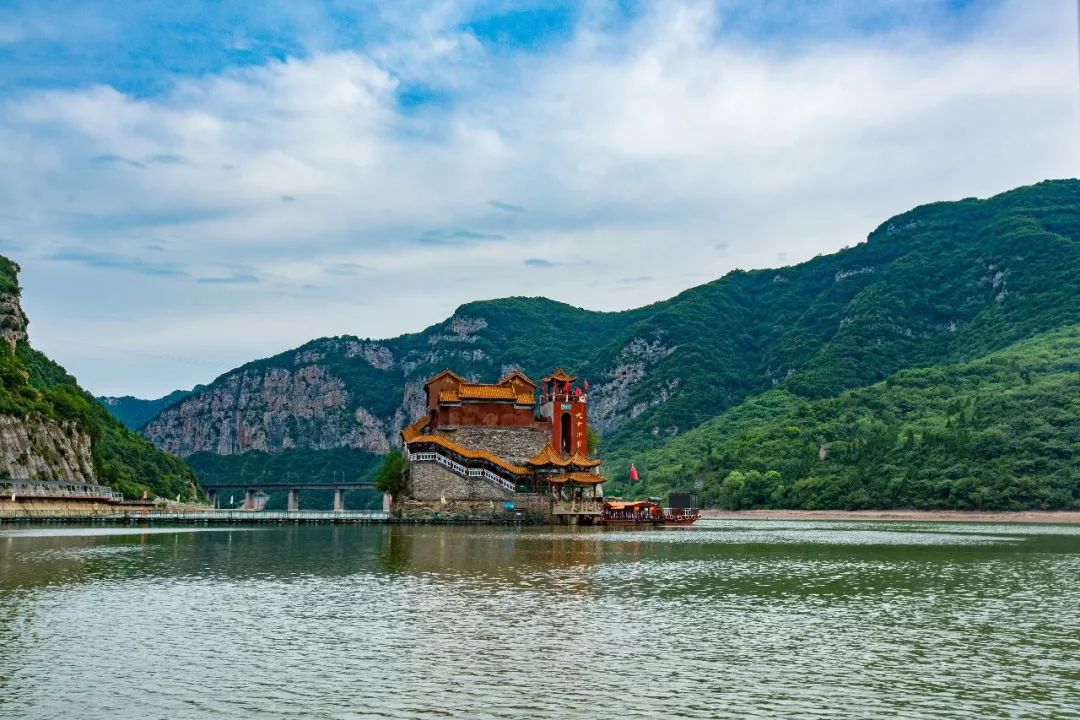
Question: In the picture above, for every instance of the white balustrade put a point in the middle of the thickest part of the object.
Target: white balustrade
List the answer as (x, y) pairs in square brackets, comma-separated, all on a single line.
[(460, 469)]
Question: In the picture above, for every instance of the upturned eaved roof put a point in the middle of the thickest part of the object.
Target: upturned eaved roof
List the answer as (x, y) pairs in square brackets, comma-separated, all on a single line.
[(444, 373), (484, 392), (515, 387), (517, 377), (448, 444), (560, 376), (577, 478), (549, 456), (415, 429)]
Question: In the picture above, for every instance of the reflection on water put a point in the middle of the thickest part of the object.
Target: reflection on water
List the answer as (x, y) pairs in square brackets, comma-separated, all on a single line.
[(768, 619)]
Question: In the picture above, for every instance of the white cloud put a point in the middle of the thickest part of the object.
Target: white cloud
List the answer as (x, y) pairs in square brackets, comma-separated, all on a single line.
[(626, 156)]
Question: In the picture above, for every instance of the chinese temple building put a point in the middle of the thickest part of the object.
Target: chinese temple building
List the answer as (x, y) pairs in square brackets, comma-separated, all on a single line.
[(510, 442)]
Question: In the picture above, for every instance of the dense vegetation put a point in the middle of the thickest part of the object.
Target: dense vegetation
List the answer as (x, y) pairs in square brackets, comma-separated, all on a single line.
[(9, 277), (391, 475), (133, 412), (1000, 432), (930, 292), (32, 383)]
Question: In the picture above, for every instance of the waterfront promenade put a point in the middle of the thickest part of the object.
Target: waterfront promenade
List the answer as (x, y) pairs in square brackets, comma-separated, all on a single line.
[(214, 517)]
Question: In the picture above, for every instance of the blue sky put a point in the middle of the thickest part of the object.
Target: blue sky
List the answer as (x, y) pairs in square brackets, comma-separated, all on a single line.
[(191, 185)]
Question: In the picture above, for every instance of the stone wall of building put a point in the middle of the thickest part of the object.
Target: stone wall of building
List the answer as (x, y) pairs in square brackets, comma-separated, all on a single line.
[(432, 482), (471, 511), (516, 444)]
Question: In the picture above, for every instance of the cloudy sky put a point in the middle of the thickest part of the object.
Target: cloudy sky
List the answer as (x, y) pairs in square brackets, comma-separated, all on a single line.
[(191, 188)]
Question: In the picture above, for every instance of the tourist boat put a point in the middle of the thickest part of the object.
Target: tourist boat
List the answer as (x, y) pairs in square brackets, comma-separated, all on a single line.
[(646, 512)]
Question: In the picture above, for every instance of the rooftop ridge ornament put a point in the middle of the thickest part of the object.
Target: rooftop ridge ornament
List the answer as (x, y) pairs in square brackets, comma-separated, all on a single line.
[(559, 375)]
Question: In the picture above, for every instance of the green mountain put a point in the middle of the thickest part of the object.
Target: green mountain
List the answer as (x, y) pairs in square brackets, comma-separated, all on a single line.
[(998, 432), (51, 429), (943, 284), (133, 412)]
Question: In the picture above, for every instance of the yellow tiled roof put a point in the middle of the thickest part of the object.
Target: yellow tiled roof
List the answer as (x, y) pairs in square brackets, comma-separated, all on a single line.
[(578, 478), (471, 454), (415, 429), (449, 372), (581, 461), (549, 456), (561, 376), (524, 380), (515, 386), (487, 392)]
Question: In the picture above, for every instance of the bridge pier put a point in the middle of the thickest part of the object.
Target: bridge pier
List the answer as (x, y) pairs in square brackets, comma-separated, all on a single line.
[(253, 491)]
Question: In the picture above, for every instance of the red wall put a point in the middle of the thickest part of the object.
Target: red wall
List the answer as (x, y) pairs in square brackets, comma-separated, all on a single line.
[(578, 431), (488, 414)]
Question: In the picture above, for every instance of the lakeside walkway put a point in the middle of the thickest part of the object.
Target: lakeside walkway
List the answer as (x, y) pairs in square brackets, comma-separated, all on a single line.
[(216, 517)]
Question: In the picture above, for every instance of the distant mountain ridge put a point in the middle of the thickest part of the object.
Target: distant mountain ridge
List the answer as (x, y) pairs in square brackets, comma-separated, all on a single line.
[(943, 283), (133, 412)]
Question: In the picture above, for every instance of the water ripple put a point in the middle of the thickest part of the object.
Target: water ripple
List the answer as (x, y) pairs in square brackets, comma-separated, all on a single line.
[(845, 621)]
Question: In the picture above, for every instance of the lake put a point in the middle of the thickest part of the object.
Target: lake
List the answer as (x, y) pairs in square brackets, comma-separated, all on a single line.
[(725, 619)]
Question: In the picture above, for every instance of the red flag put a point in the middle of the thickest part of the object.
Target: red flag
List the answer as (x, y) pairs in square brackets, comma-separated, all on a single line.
[(633, 473)]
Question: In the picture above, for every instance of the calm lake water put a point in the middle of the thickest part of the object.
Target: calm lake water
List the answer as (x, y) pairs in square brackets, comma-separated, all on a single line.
[(726, 619)]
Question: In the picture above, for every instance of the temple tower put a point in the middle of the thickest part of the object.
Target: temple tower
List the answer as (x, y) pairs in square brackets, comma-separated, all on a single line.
[(566, 408)]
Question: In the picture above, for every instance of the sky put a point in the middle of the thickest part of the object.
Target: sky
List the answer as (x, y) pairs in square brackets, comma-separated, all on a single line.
[(191, 187)]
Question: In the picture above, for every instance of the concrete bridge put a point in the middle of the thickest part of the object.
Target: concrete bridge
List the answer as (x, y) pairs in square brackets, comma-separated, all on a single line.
[(293, 486)]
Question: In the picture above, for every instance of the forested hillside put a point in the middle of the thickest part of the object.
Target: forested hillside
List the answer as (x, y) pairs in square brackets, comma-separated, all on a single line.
[(55, 430), (942, 284), (999, 432), (133, 412)]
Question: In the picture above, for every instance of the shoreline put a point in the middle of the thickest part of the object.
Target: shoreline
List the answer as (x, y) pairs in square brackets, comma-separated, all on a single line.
[(1046, 517)]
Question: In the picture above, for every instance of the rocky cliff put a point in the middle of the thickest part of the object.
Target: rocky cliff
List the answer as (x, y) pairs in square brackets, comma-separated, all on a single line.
[(37, 448), (51, 429), (940, 283), (32, 444)]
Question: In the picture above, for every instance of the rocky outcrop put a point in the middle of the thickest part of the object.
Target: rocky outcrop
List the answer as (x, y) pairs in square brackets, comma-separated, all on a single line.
[(618, 397), (36, 448), (944, 282), (13, 320), (269, 409), (351, 393)]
